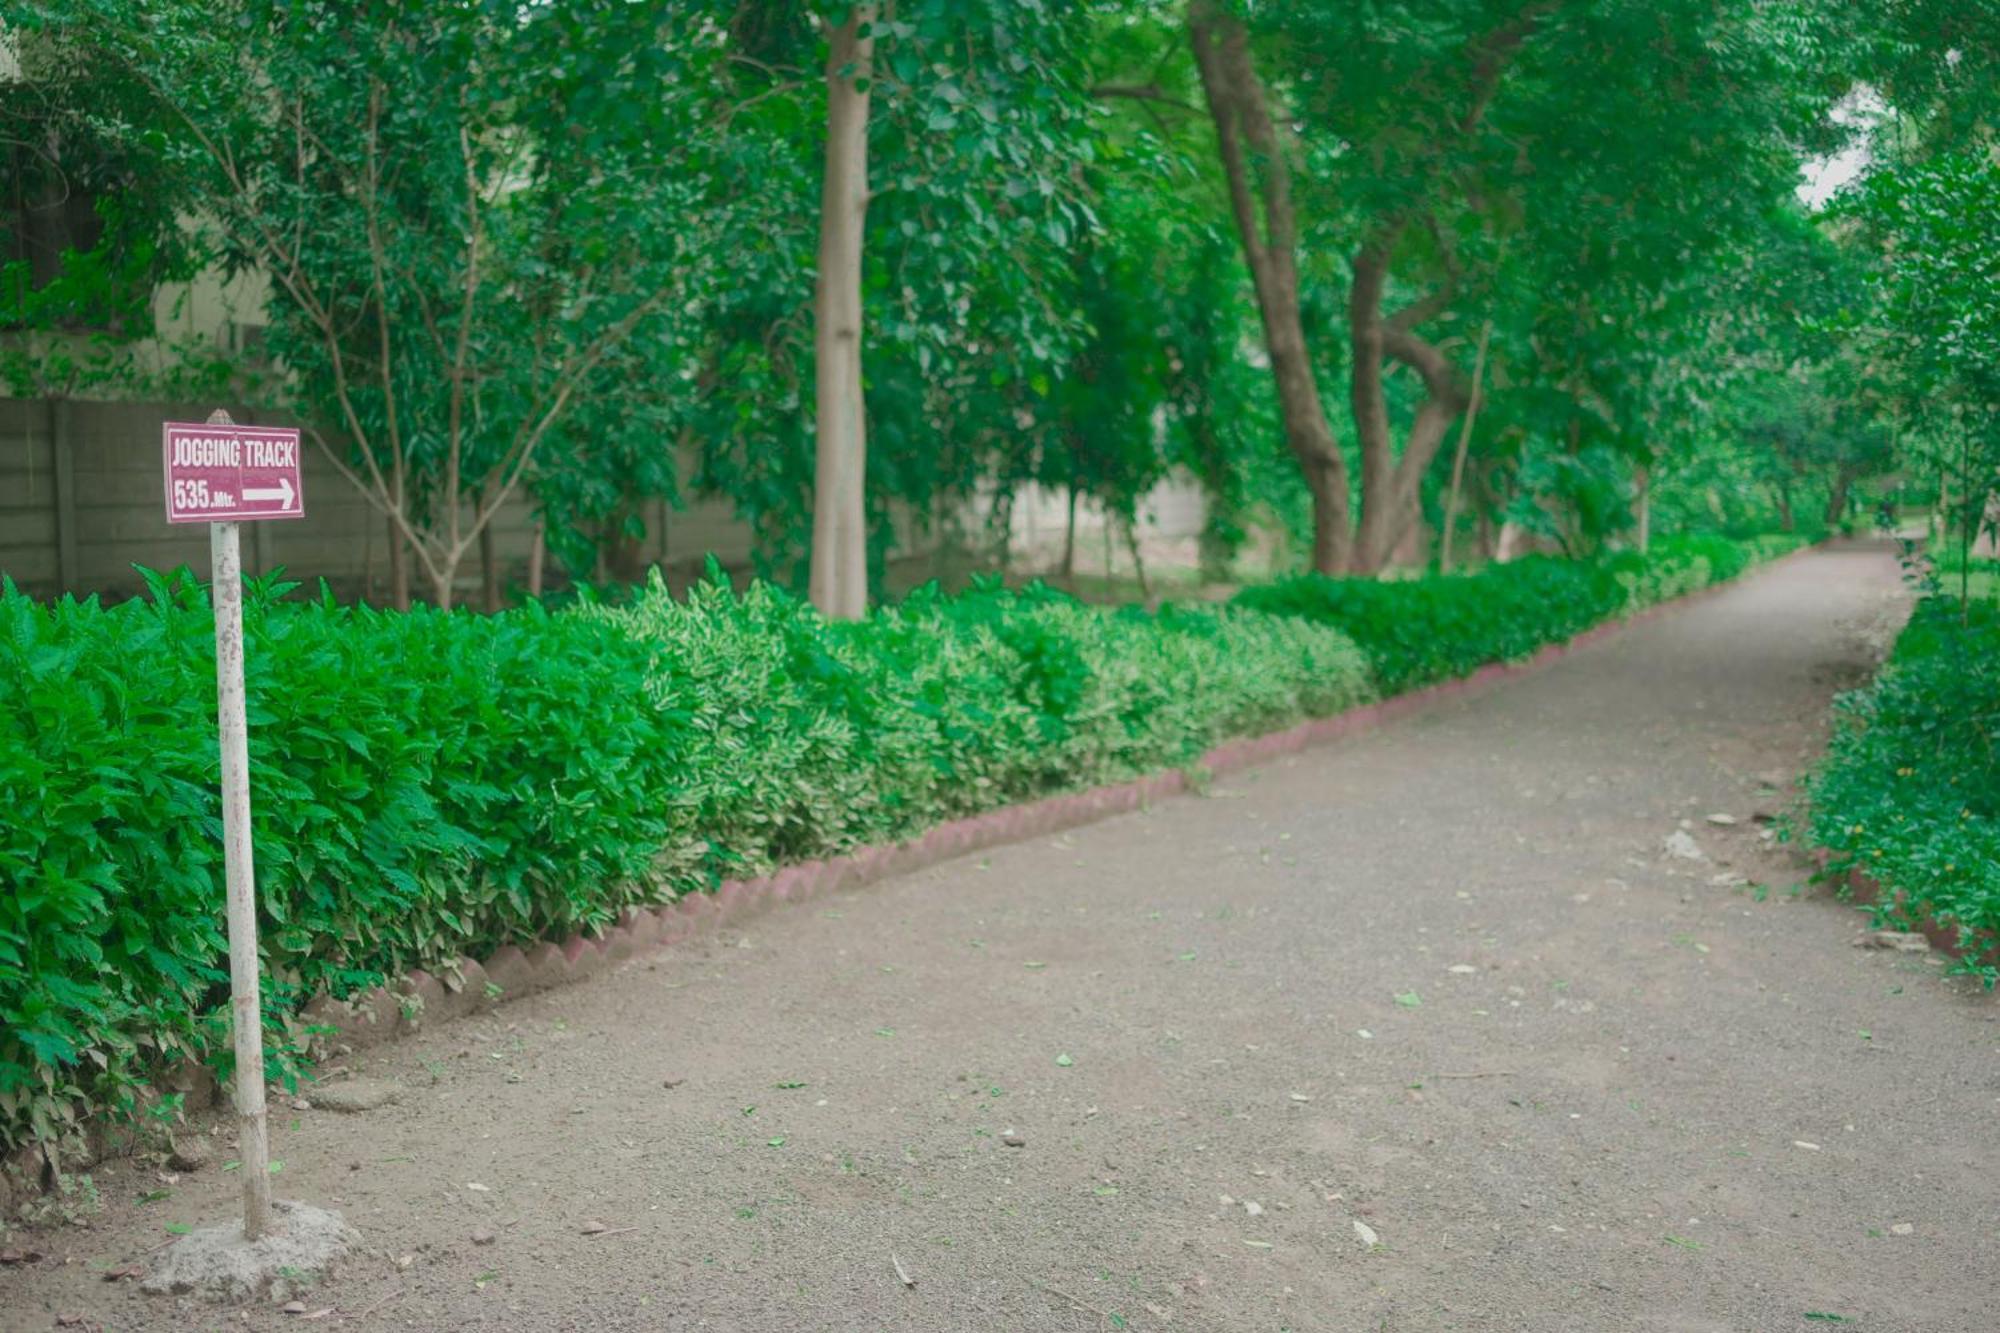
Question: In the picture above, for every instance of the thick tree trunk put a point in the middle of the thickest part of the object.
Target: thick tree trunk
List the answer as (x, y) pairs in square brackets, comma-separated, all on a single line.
[(1249, 146), (839, 571), (1390, 486)]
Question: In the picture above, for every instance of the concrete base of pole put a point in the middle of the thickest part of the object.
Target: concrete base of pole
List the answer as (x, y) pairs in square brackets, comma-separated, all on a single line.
[(217, 1262)]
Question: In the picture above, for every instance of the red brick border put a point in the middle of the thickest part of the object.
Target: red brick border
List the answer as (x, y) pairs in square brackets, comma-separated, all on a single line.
[(1864, 889)]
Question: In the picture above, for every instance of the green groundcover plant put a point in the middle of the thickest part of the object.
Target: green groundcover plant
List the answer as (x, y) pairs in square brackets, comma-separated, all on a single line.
[(1909, 792), (428, 785)]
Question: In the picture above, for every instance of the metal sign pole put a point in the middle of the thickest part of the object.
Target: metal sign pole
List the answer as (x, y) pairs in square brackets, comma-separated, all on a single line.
[(246, 1008)]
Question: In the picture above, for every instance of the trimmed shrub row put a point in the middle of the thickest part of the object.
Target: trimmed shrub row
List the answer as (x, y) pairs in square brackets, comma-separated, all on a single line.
[(1421, 631), (433, 785), (429, 785), (1909, 792)]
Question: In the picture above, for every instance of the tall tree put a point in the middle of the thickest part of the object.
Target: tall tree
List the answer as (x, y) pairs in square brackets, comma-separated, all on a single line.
[(840, 519), (466, 213), (1256, 163)]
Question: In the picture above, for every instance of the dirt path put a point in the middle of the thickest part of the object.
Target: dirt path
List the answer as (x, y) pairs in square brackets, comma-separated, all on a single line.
[(1440, 982)]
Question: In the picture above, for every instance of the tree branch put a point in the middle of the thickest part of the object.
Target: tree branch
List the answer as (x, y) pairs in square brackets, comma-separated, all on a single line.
[(1141, 92)]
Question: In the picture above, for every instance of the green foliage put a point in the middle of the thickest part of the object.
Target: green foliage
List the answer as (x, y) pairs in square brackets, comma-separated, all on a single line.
[(423, 784), (469, 216), (1421, 631), (427, 785), (1910, 789)]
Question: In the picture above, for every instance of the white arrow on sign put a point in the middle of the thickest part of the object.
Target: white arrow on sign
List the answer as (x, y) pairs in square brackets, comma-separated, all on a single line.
[(283, 495)]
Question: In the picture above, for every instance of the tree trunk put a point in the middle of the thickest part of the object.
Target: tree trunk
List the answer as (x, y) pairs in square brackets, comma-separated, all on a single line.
[(489, 571), (839, 573), (441, 585), (399, 570), (1138, 562), (1390, 486), (537, 556), (1464, 441), (1836, 503), (1248, 143), (1782, 497), (1645, 481), (1069, 541)]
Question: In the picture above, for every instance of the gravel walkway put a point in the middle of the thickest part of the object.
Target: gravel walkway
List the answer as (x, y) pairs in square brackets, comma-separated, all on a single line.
[(1422, 1031)]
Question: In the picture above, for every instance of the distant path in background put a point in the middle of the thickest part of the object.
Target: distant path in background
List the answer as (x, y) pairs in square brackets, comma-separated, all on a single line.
[(1440, 987)]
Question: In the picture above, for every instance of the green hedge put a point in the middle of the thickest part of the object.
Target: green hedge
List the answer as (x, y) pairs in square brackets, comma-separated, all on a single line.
[(1910, 789), (427, 785), (1421, 631)]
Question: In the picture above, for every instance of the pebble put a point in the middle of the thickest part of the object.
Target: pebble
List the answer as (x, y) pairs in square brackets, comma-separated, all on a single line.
[(1679, 845), (483, 1236), (1902, 941), (355, 1095), (189, 1155), (1014, 1138), (1902, 1229)]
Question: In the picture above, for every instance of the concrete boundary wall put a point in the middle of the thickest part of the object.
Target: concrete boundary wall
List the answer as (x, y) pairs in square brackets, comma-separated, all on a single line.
[(81, 503)]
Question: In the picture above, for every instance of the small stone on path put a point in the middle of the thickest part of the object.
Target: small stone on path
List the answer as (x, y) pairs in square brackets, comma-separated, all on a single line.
[(355, 1095), (1679, 845), (1902, 941), (1014, 1138), (1901, 1229), (1721, 820), (189, 1155), (483, 1236)]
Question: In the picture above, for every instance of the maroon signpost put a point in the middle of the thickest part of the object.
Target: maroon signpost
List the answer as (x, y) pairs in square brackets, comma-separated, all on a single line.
[(223, 474)]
